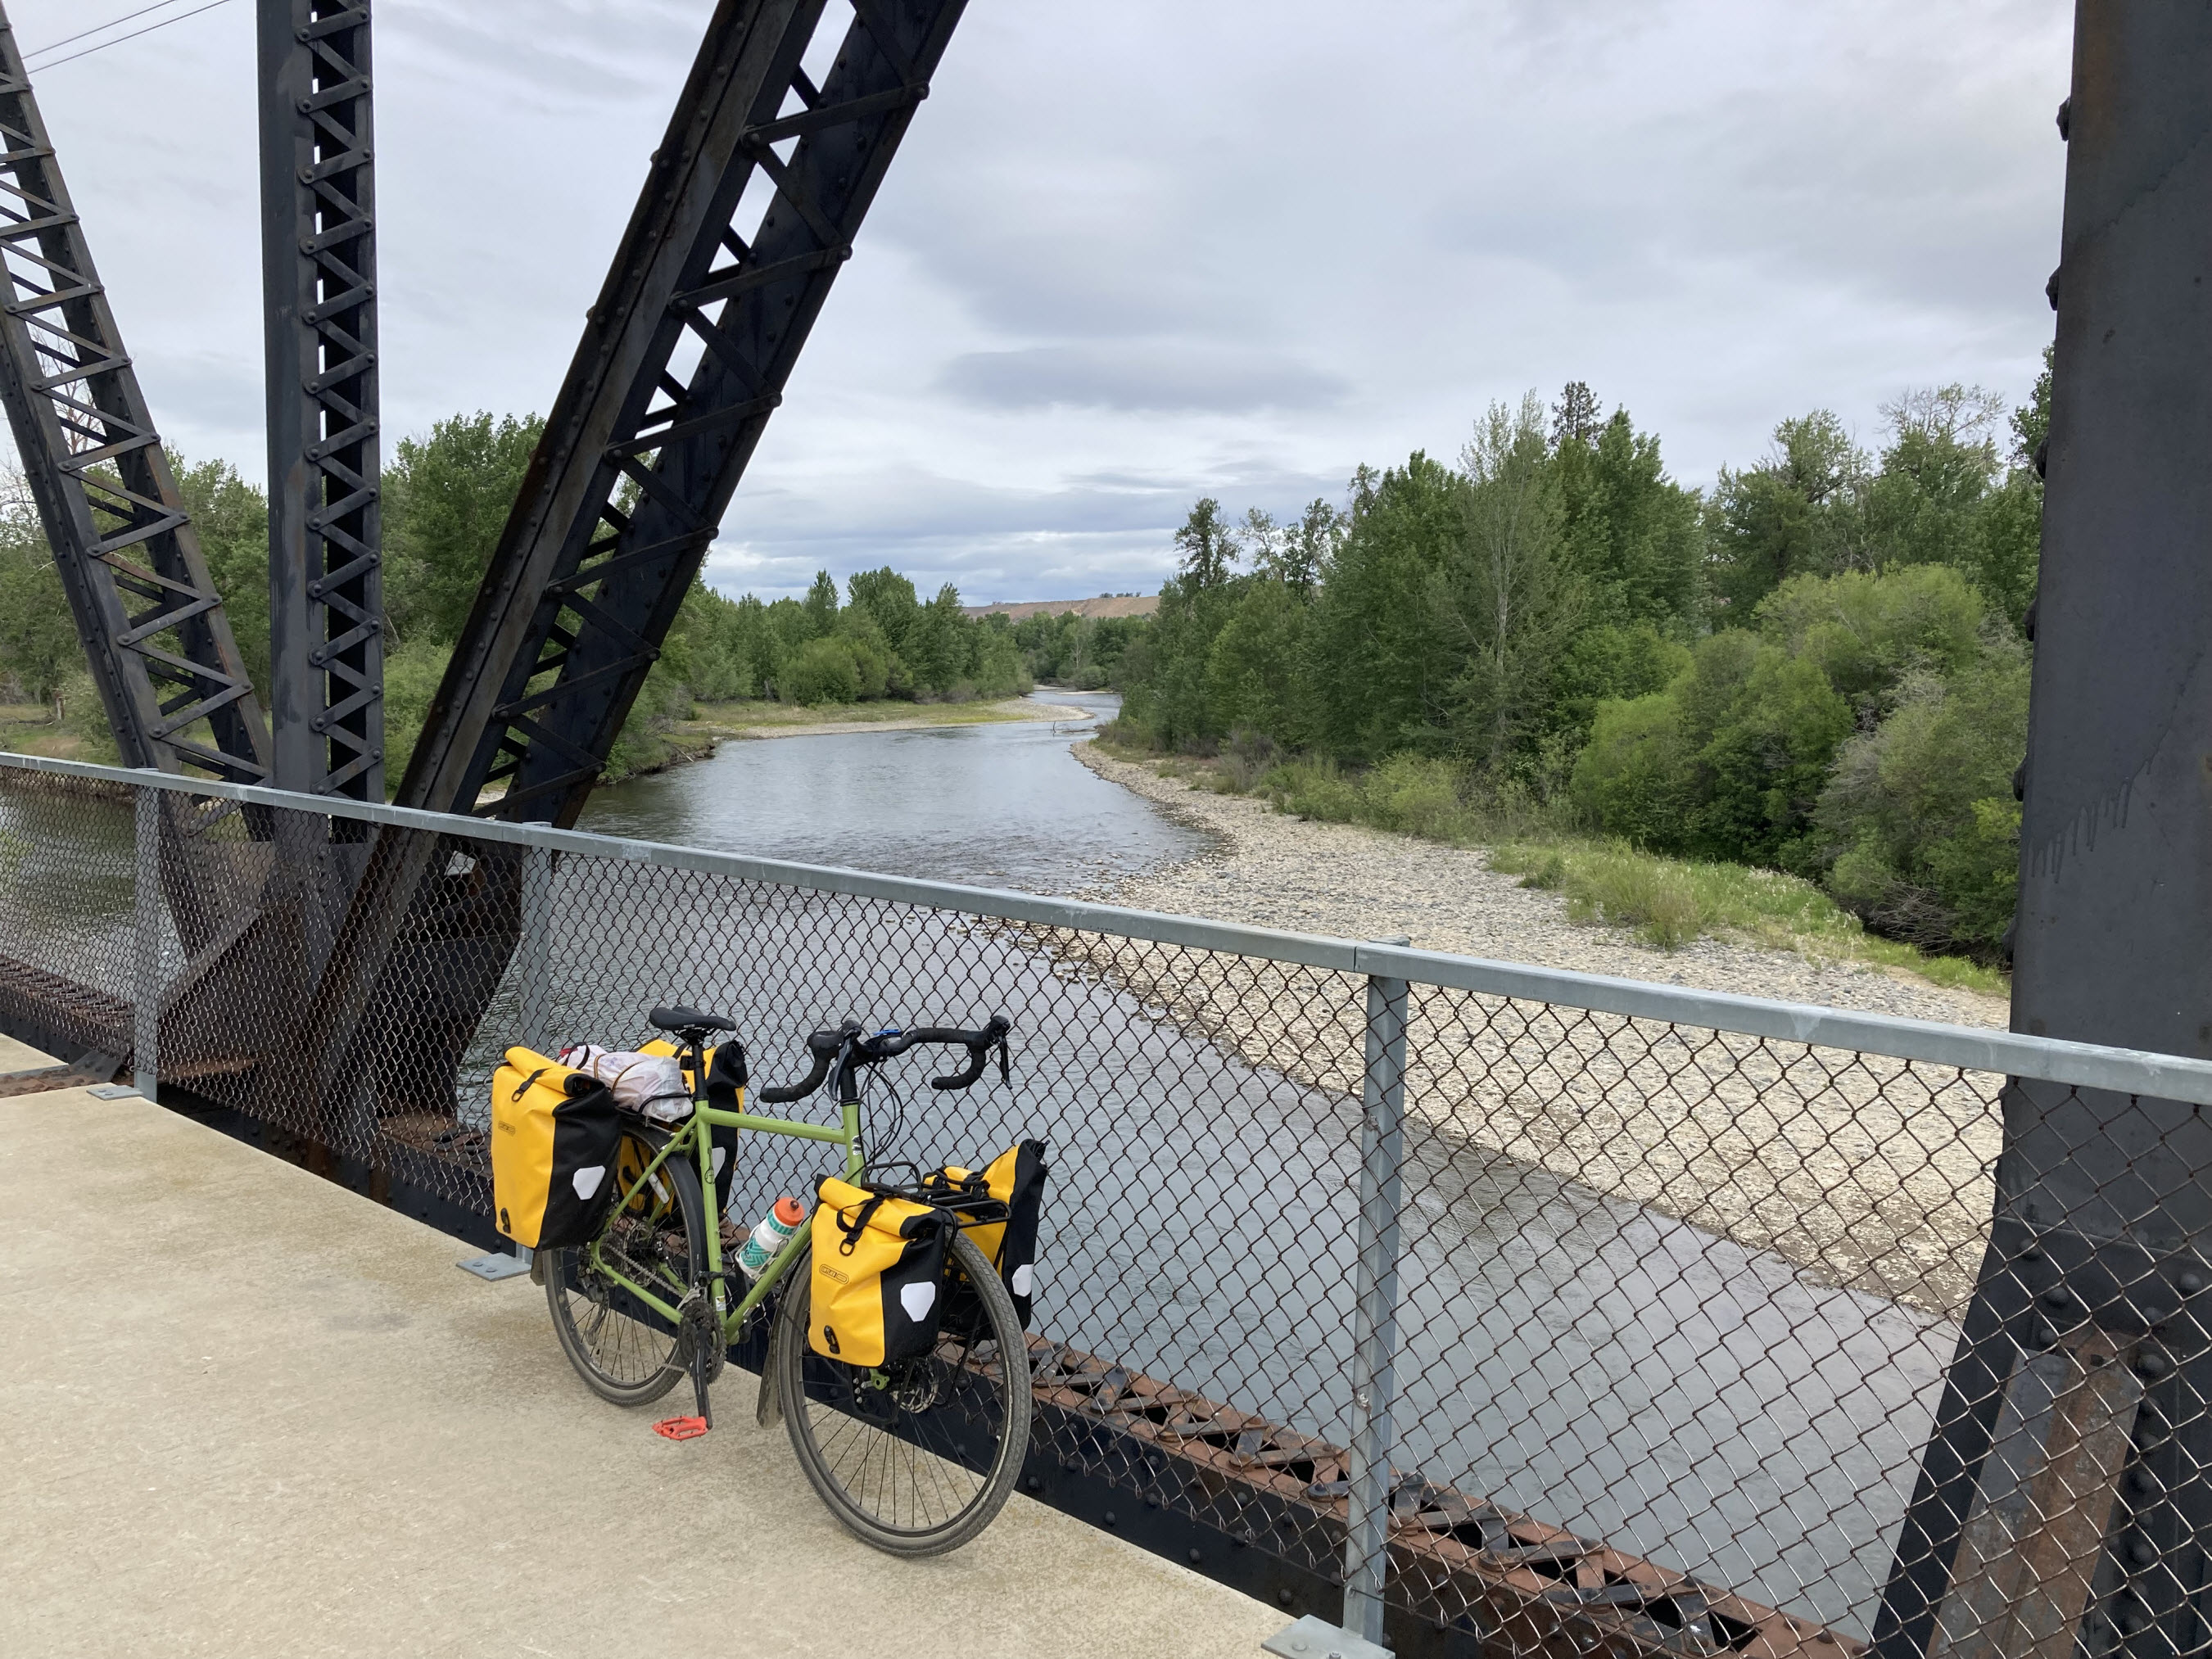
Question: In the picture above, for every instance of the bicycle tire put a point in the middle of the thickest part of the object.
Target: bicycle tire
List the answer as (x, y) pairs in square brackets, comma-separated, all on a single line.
[(964, 1439), (623, 1353)]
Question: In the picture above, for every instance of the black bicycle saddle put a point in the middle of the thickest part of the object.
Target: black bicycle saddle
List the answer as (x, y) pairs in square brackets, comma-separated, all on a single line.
[(689, 1019)]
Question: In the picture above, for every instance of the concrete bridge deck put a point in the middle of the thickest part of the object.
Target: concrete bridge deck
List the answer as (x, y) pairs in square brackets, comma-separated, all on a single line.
[(246, 1412)]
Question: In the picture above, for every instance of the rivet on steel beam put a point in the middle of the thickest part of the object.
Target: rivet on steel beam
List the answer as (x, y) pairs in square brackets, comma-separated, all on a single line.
[(306, 106), (307, 175), (2051, 290), (2142, 1553), (2040, 1336), (2190, 1283), (1195, 1557), (2042, 457), (2153, 1363), (2065, 119)]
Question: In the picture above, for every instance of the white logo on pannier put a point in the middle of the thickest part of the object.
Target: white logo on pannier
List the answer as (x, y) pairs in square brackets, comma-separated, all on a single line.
[(918, 1300), (1023, 1276), (588, 1180)]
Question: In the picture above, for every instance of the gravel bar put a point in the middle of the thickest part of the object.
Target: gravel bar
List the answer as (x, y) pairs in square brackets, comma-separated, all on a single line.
[(1869, 1172)]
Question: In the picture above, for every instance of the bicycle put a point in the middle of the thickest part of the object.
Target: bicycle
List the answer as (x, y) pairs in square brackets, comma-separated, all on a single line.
[(916, 1458)]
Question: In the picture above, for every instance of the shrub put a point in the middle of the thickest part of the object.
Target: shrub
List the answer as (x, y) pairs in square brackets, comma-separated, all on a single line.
[(1416, 796), (822, 672), (1919, 820)]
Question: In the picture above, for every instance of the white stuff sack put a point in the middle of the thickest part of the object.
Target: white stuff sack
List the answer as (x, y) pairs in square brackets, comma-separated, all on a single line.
[(650, 1084)]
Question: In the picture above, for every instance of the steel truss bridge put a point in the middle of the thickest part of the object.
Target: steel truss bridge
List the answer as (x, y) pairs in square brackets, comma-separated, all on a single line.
[(683, 360)]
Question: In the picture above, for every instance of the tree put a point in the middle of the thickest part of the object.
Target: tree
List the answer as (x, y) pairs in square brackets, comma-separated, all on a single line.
[(888, 598), (447, 499), (1795, 513), (1385, 660), (1502, 591), (1575, 416), (1205, 546), (1631, 534), (821, 605)]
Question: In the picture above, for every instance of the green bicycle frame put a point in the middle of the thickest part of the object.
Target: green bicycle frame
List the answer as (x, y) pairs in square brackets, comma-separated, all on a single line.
[(692, 1140)]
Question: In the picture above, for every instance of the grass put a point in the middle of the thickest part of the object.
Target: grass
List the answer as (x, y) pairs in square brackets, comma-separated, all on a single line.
[(30, 728), (764, 716), (1666, 902)]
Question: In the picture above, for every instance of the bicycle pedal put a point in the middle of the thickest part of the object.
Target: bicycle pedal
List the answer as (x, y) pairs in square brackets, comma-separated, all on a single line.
[(680, 1428)]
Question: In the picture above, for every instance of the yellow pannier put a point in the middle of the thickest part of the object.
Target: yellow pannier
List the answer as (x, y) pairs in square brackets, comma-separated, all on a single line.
[(553, 1134), (877, 1277), (1016, 1179)]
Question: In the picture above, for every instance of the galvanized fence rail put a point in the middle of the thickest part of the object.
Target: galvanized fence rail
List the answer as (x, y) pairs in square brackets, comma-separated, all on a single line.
[(1504, 1309)]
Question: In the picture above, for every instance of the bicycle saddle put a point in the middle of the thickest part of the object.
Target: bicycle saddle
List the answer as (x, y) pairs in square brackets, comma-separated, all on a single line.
[(689, 1019)]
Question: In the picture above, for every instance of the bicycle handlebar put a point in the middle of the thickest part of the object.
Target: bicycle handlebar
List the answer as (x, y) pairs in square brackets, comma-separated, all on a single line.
[(846, 1040)]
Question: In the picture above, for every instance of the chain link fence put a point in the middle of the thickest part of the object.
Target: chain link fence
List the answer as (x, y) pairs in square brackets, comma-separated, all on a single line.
[(1552, 1314)]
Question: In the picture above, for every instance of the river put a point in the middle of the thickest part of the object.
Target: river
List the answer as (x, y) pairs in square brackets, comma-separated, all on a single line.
[(999, 804)]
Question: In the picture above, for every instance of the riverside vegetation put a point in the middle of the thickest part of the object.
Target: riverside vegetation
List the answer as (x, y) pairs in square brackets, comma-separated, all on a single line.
[(1790, 708), (446, 501)]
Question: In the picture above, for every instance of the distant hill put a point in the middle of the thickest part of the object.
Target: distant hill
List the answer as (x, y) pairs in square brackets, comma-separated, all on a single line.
[(1106, 604)]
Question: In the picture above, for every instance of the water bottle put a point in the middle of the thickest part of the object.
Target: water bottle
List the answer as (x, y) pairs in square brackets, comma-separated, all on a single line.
[(777, 1225)]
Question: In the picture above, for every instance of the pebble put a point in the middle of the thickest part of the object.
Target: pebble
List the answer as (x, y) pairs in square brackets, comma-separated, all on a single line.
[(1867, 1172)]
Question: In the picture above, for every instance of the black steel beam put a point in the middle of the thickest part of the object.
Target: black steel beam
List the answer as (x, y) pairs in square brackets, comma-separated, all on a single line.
[(2064, 1505), (319, 276), (682, 360), (168, 673)]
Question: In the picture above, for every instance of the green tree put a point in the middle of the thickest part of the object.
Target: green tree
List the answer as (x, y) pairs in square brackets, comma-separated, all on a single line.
[(821, 605), (1502, 592), (1921, 830), (447, 499), (1795, 513), (1206, 546), (1385, 662)]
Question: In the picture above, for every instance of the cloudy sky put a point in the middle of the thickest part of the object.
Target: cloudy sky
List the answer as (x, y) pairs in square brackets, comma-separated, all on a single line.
[(1133, 254)]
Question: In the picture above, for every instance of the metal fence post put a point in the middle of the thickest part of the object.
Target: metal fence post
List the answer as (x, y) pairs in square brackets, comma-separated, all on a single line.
[(533, 961), (147, 896), (1374, 1306)]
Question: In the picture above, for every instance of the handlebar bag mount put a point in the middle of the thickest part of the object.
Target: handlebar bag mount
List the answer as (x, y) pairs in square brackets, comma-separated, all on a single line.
[(553, 1134), (876, 1289)]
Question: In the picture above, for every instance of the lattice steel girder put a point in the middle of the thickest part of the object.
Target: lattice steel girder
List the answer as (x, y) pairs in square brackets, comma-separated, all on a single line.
[(2063, 1506), (169, 674), (319, 274), (584, 587)]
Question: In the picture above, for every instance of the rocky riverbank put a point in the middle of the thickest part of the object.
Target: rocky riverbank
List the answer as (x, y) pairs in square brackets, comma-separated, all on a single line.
[(1871, 1172)]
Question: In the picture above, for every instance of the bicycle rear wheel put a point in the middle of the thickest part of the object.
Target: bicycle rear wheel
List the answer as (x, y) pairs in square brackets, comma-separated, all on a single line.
[(916, 1460), (626, 1353)]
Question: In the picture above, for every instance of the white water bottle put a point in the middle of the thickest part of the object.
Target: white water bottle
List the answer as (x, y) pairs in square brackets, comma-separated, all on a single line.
[(777, 1225)]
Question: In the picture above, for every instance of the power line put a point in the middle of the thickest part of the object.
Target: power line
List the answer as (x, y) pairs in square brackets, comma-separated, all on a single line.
[(98, 28), (119, 39)]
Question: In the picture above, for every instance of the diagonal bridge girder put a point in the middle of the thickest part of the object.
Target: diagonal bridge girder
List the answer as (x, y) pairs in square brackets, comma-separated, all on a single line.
[(642, 453), (168, 673), (641, 457)]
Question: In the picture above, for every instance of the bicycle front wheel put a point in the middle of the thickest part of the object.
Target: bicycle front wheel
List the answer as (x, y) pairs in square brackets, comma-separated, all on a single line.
[(916, 1459), (627, 1353)]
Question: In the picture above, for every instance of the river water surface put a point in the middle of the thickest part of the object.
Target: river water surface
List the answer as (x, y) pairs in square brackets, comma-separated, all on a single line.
[(1000, 805)]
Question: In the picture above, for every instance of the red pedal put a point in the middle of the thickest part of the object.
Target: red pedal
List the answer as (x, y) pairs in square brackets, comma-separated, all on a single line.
[(680, 1428)]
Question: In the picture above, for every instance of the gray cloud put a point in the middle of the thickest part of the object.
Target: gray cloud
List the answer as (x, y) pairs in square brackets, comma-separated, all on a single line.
[(1137, 375), (1133, 254)]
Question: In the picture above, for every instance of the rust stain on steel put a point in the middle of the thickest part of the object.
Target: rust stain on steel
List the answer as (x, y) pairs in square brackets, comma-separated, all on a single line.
[(2033, 1539), (1536, 1589)]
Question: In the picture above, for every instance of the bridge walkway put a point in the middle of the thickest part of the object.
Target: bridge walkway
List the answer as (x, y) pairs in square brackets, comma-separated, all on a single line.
[(249, 1414)]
